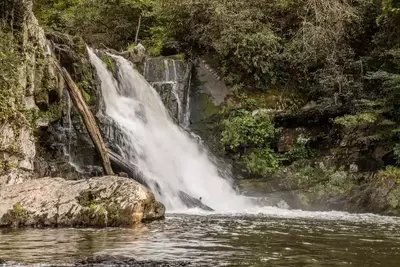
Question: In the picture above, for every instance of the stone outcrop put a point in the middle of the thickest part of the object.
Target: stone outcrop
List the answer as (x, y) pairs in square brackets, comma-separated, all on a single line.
[(30, 85), (171, 77), (97, 202), (65, 148)]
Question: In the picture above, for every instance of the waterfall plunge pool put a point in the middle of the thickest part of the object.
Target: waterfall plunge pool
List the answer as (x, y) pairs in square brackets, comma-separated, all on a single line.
[(280, 238)]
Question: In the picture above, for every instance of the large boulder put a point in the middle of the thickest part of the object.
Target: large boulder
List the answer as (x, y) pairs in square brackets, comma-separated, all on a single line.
[(97, 202)]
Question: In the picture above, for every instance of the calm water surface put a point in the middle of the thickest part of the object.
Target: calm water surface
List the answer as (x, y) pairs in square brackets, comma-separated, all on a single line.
[(220, 240)]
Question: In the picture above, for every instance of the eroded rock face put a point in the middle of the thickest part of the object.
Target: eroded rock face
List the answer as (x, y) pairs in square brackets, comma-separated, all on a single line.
[(97, 202), (171, 78), (33, 78)]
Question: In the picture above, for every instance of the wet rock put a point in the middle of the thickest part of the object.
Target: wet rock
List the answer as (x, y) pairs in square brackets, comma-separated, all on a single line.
[(97, 202), (210, 80), (106, 260), (171, 77), (35, 76), (192, 202)]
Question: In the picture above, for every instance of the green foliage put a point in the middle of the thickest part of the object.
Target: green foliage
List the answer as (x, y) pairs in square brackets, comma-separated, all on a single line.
[(325, 180), (131, 47), (156, 42), (11, 93), (353, 121), (86, 96), (300, 149), (245, 129), (261, 161), (109, 62), (19, 212), (17, 216), (390, 173), (389, 8), (250, 135), (109, 22), (261, 42)]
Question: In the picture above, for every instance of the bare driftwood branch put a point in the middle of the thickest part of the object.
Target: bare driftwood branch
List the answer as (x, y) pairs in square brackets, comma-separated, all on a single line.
[(88, 119), (138, 30)]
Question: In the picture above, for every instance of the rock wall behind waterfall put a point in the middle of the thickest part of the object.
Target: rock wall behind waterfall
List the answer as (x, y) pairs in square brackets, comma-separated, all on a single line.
[(66, 149), (171, 78)]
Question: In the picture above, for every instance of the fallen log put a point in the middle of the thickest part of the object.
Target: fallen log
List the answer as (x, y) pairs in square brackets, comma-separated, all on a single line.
[(88, 119), (120, 165)]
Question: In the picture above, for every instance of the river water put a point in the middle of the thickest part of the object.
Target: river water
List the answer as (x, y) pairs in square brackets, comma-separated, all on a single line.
[(275, 239)]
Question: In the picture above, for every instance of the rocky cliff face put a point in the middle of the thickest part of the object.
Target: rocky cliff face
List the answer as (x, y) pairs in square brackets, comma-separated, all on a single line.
[(171, 77), (29, 88)]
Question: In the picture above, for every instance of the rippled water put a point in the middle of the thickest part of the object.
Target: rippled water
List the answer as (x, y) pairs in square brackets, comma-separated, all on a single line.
[(214, 240)]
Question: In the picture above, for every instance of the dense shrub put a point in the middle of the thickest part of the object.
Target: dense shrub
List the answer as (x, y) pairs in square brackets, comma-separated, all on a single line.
[(249, 136)]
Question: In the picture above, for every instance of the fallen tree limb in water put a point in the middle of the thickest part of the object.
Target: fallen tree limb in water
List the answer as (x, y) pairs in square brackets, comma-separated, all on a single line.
[(121, 165), (88, 119)]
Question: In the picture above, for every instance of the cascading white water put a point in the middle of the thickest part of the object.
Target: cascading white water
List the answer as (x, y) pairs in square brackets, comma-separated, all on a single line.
[(161, 150)]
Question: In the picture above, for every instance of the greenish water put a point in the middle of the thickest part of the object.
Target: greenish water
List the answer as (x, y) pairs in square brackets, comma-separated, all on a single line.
[(280, 239)]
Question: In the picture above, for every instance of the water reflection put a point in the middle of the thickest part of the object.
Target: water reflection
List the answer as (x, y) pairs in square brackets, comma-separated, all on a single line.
[(217, 240)]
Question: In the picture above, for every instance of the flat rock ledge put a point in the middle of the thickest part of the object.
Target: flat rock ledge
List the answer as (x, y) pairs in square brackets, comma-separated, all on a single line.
[(97, 202)]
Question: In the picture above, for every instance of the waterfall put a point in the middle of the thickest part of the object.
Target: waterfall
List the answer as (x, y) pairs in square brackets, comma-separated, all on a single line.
[(170, 160)]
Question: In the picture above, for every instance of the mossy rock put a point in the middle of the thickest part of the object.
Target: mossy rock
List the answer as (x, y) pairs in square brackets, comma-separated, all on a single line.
[(16, 217)]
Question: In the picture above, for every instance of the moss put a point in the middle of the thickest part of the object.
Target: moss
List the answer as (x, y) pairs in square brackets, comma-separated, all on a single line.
[(16, 217), (53, 113), (394, 198), (390, 173), (208, 107), (86, 96), (93, 216), (32, 115), (98, 212), (109, 62), (93, 212), (118, 216), (80, 45), (161, 67), (179, 57), (11, 92), (131, 47)]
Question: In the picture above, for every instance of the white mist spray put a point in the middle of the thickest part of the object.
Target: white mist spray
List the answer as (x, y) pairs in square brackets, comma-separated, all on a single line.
[(161, 150)]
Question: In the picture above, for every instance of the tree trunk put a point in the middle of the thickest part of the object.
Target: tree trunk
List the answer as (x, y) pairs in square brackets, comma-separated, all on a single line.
[(88, 119)]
